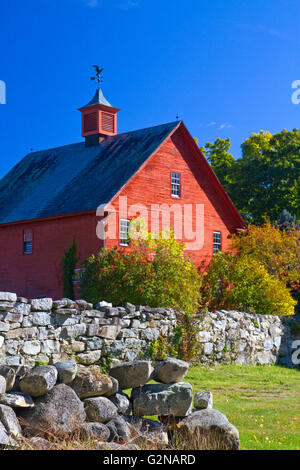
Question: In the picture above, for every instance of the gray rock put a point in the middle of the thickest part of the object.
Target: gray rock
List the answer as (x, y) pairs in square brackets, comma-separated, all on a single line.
[(100, 409), (2, 385), (119, 430), (122, 402), (219, 434), (41, 318), (114, 446), (8, 297), (90, 382), (10, 376), (66, 371), (38, 443), (4, 437), (38, 381), (109, 331), (41, 304), (162, 399), (203, 400), (147, 431), (170, 370), (17, 400), (31, 347), (10, 421), (132, 374), (59, 411), (95, 431), (89, 357)]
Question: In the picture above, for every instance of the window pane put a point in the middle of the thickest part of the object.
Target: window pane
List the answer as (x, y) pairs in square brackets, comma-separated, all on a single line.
[(27, 241), (124, 227), (175, 180), (217, 240)]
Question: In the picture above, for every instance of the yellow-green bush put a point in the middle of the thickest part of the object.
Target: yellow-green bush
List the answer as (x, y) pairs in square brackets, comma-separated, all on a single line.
[(243, 283)]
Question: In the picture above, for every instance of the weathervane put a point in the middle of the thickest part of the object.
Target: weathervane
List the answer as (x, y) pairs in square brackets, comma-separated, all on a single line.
[(98, 75)]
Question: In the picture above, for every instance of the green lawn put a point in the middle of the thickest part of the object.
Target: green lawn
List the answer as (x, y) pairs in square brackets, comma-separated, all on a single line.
[(263, 402)]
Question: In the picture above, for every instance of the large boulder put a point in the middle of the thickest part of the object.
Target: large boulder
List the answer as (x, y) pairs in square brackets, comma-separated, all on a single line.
[(10, 376), (98, 431), (66, 371), (17, 400), (132, 374), (59, 411), (122, 402), (211, 428), (203, 400), (162, 399), (38, 381), (170, 370), (9, 426), (100, 409), (90, 382)]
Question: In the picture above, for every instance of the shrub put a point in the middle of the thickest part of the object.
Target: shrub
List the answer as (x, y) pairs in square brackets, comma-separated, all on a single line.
[(154, 272), (243, 283)]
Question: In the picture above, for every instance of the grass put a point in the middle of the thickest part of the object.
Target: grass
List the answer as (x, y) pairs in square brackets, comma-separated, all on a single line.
[(263, 402)]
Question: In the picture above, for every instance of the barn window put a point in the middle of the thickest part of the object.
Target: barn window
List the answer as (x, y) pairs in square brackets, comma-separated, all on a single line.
[(217, 242), (176, 190), (124, 229), (27, 241)]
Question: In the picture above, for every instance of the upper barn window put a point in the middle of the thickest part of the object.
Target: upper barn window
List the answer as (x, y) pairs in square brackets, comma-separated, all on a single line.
[(27, 241), (176, 185), (217, 242), (124, 229)]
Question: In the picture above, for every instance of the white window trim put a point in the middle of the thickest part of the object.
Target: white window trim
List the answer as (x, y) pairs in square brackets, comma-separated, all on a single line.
[(217, 243), (178, 185), (122, 243)]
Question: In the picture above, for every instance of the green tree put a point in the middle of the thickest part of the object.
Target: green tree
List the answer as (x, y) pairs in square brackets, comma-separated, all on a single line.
[(266, 179), (68, 263)]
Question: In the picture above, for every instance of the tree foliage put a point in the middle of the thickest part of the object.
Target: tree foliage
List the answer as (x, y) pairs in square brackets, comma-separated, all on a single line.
[(68, 263), (244, 284), (154, 272), (266, 179)]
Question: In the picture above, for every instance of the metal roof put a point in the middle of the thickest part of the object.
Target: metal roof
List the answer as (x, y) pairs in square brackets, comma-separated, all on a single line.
[(76, 178), (98, 99)]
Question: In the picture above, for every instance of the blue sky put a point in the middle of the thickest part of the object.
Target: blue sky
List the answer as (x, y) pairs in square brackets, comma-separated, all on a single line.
[(225, 66)]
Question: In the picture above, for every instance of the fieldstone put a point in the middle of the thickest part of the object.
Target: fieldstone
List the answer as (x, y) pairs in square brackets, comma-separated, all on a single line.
[(39, 380), (100, 409), (2, 385), (219, 434), (41, 318), (31, 347), (132, 374), (109, 331), (73, 331), (119, 430), (10, 376), (90, 382), (122, 402), (41, 304), (114, 446), (4, 327), (147, 431), (38, 443), (170, 370), (10, 421), (59, 411), (162, 399), (66, 371), (89, 357), (4, 437), (17, 400), (1, 341), (95, 431), (8, 297), (203, 400)]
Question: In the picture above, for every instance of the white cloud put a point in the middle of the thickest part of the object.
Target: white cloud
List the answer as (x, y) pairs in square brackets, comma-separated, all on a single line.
[(127, 5), (212, 123), (225, 125)]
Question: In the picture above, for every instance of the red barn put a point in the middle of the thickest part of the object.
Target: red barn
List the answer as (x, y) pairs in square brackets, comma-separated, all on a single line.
[(52, 196)]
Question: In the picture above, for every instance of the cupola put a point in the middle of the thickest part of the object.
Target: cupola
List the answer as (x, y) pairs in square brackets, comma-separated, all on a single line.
[(98, 119)]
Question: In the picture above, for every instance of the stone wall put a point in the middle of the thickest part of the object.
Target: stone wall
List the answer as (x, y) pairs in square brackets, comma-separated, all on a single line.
[(43, 330)]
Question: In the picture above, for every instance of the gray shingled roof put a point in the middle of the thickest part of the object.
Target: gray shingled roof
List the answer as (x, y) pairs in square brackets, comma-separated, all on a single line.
[(75, 178)]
